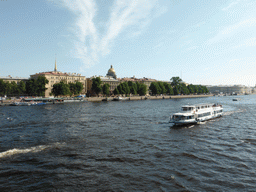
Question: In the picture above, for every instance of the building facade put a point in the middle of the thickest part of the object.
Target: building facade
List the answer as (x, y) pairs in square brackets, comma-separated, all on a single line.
[(56, 77), (235, 89), (110, 79)]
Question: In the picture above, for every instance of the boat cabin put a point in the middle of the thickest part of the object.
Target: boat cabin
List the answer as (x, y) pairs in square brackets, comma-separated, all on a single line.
[(187, 108), (178, 117)]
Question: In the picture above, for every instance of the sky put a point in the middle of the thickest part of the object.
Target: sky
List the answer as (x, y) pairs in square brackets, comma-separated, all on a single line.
[(203, 42)]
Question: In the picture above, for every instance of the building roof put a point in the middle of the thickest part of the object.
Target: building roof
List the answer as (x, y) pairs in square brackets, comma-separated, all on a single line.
[(14, 78), (57, 73)]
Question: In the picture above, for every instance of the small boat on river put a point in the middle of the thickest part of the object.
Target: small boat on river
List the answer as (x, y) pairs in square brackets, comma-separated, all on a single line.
[(192, 114), (120, 99), (21, 104)]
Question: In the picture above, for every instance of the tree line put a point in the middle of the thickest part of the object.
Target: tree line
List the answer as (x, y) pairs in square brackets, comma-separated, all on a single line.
[(36, 87), (176, 87), (131, 88), (70, 89), (124, 88), (12, 88)]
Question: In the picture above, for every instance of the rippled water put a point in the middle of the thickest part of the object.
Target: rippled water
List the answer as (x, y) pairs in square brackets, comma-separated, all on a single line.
[(127, 146)]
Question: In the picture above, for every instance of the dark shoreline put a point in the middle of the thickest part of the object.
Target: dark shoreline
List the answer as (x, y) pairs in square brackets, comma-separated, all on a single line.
[(132, 98)]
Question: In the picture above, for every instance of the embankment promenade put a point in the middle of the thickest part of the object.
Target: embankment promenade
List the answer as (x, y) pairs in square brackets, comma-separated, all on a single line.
[(134, 98)]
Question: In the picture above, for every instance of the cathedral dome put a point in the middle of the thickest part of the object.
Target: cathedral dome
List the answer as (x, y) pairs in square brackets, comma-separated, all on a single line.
[(111, 72)]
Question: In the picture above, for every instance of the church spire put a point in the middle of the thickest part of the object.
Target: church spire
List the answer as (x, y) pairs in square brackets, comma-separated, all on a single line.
[(55, 69)]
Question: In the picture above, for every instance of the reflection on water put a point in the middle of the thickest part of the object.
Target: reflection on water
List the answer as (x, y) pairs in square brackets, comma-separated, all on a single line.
[(127, 146)]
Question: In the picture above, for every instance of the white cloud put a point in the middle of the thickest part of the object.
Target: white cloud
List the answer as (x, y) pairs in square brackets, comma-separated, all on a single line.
[(230, 5), (232, 29), (90, 45), (248, 43), (126, 13)]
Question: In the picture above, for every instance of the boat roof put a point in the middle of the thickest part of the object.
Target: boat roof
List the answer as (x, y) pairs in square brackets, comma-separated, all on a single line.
[(184, 114), (198, 105)]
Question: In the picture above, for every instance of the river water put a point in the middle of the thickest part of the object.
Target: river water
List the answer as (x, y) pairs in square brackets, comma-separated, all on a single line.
[(127, 146)]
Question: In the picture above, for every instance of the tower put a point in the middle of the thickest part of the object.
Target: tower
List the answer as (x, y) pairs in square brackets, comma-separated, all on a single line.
[(55, 69)]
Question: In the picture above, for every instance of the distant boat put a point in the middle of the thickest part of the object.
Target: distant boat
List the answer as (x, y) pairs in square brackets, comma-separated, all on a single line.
[(236, 99), (120, 99), (21, 104)]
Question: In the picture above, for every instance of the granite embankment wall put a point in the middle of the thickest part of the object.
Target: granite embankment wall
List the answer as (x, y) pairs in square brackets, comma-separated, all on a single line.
[(133, 98)]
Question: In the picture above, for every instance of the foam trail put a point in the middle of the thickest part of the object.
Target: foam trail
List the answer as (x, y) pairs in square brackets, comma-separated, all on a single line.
[(15, 151)]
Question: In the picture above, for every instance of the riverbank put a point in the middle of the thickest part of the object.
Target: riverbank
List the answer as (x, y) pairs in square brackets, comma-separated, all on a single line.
[(134, 98)]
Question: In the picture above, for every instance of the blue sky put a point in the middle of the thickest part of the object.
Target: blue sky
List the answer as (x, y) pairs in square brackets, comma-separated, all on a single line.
[(204, 42)]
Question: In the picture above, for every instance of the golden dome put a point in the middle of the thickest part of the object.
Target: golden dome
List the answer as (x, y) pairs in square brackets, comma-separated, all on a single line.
[(111, 70)]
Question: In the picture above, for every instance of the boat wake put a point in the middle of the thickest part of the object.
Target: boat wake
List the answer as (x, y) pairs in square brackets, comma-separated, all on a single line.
[(231, 112), (35, 149)]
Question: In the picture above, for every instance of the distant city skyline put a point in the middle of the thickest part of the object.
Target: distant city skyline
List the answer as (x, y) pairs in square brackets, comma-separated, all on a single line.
[(203, 42)]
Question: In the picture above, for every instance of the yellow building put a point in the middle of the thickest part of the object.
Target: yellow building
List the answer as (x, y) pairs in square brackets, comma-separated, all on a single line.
[(57, 76), (15, 79)]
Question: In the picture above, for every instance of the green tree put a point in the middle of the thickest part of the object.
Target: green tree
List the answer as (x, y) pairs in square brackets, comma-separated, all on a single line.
[(168, 88), (36, 86), (162, 87), (40, 85), (75, 88), (121, 88), (116, 91), (8, 88), (175, 81), (191, 88), (96, 85), (72, 89), (142, 89), (184, 89), (2, 87), (126, 88), (105, 89), (21, 88), (14, 88), (133, 89), (79, 87), (31, 87), (154, 87), (60, 89), (196, 89), (176, 84), (176, 90)]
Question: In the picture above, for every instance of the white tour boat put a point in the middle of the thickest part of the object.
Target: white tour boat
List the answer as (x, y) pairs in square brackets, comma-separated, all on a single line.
[(192, 114)]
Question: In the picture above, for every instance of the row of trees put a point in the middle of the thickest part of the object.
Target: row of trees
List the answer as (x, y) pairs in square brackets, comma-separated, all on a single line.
[(176, 87), (70, 89), (31, 87), (36, 87), (160, 88), (123, 88), (131, 88), (180, 88), (12, 88)]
